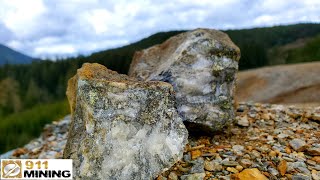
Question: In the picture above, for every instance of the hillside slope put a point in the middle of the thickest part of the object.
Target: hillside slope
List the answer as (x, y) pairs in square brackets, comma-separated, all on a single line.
[(283, 84), (255, 43), (10, 56), (44, 81), (301, 50)]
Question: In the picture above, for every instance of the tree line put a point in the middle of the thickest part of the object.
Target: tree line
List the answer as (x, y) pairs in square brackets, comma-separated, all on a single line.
[(44, 81)]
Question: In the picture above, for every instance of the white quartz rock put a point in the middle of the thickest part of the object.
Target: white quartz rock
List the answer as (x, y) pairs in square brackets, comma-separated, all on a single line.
[(201, 65), (122, 128)]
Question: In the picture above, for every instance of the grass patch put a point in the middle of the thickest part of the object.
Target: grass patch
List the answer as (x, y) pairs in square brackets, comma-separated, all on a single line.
[(19, 128), (302, 50), (307, 53)]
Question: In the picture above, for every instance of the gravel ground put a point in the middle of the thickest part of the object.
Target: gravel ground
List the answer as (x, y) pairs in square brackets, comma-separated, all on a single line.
[(266, 142)]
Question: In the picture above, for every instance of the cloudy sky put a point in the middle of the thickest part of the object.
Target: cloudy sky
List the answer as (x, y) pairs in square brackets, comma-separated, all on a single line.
[(49, 28)]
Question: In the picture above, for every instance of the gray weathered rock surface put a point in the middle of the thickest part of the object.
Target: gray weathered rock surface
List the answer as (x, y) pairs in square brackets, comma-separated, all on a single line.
[(201, 66), (121, 128)]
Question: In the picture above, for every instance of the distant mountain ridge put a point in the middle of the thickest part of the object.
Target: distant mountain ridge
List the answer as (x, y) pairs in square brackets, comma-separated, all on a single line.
[(10, 56), (44, 81)]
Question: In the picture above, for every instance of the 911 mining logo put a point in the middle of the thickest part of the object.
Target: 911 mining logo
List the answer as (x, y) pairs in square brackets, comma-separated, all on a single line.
[(36, 169), (11, 169)]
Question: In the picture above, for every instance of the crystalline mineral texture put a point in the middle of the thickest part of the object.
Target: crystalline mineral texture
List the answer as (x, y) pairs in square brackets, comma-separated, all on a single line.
[(121, 128), (201, 65)]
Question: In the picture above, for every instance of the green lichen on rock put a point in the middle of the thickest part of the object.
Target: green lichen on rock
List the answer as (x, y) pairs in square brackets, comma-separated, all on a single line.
[(201, 65), (122, 128)]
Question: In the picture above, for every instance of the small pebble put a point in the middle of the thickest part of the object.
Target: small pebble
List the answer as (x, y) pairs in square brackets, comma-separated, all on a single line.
[(198, 166), (255, 154), (173, 176), (195, 154), (250, 148), (233, 170), (314, 151), (281, 136), (273, 171), (300, 177), (315, 175), (243, 121), (230, 163), (196, 176), (298, 144), (316, 159), (239, 168), (272, 154), (282, 167), (212, 166), (310, 162), (288, 159), (246, 163)]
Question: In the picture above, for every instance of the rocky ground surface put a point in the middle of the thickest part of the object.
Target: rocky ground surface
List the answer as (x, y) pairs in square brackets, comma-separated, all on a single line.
[(267, 142)]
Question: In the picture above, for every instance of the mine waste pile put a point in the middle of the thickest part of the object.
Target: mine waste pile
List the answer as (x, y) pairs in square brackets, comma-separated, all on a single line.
[(175, 117)]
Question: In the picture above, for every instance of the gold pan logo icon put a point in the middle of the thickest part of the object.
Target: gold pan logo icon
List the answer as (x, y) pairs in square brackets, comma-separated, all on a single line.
[(11, 169)]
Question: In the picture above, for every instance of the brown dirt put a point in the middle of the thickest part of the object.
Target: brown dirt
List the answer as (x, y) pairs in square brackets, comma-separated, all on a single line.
[(284, 84), (307, 94)]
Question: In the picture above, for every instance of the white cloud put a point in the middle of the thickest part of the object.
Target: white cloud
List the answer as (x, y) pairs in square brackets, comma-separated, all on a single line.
[(21, 16), (57, 49), (98, 19), (274, 12), (264, 19), (48, 28)]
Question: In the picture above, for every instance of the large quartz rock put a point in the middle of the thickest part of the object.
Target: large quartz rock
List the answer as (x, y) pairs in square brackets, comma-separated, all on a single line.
[(121, 128), (201, 66)]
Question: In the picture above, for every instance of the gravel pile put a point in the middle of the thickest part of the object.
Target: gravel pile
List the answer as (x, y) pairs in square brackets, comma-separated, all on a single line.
[(266, 142)]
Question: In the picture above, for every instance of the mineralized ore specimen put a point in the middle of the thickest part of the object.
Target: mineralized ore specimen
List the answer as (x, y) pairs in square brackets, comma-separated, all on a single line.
[(201, 65), (121, 128)]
